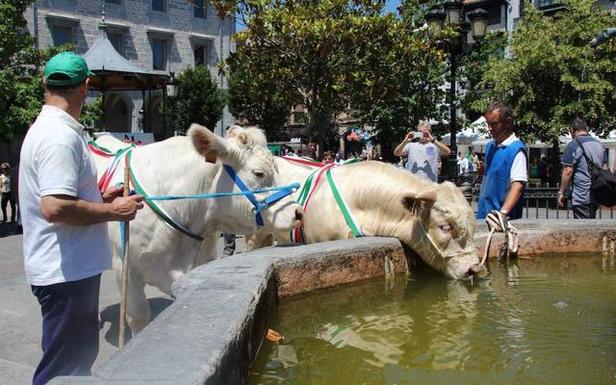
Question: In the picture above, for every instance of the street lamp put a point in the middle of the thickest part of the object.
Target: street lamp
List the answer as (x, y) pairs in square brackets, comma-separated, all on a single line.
[(457, 47), (141, 117)]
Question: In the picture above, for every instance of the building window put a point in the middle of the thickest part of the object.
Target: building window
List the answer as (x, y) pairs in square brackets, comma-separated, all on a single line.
[(159, 54), (159, 5), (548, 3), (200, 9), (61, 34), (200, 53), (117, 41)]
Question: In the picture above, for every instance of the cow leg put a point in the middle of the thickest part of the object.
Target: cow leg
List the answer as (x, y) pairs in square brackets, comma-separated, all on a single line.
[(137, 307), (207, 250)]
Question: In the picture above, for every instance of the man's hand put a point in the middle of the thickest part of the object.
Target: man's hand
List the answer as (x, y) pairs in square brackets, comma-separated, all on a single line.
[(112, 193), (410, 136), (125, 208), (428, 136), (497, 220), (562, 200)]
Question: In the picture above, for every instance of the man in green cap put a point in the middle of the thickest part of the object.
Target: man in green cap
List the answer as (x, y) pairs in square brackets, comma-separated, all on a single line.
[(65, 241)]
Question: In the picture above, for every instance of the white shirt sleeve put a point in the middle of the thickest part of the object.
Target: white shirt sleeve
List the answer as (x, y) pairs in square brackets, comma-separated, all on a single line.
[(58, 170), (519, 172)]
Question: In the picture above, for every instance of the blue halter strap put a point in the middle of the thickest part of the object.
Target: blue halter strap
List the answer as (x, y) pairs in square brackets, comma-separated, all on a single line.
[(259, 205)]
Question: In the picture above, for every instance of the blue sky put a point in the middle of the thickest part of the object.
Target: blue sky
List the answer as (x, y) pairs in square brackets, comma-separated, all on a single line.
[(390, 5)]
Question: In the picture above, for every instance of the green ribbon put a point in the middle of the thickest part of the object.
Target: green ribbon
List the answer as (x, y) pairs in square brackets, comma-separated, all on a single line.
[(156, 208)]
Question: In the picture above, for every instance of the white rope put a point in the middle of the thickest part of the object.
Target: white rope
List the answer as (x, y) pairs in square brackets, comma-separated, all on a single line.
[(509, 249)]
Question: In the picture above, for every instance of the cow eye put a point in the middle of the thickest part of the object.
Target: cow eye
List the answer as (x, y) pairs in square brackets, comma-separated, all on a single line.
[(445, 228), (258, 173)]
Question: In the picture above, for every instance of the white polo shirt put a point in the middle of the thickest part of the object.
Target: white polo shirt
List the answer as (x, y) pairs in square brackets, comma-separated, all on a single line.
[(55, 161), (519, 170)]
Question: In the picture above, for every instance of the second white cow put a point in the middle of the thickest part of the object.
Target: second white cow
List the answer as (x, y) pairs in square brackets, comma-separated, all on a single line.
[(432, 219)]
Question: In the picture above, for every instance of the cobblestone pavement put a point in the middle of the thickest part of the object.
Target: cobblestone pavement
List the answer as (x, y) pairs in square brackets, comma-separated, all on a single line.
[(20, 319)]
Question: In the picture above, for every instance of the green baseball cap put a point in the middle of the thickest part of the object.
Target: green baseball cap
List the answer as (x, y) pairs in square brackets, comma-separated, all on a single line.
[(66, 69)]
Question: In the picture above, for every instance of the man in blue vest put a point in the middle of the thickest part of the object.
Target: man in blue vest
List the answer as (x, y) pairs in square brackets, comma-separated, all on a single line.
[(505, 174)]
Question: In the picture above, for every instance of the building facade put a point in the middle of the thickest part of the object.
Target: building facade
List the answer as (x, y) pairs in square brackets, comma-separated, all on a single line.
[(159, 36)]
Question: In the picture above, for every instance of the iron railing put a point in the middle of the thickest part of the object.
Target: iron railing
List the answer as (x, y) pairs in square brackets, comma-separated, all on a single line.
[(540, 202)]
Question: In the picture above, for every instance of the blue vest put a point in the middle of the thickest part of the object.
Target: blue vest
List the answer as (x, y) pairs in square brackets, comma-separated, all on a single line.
[(496, 179)]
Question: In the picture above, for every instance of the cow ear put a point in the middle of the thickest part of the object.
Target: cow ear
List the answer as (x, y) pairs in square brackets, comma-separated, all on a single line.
[(414, 201), (207, 143)]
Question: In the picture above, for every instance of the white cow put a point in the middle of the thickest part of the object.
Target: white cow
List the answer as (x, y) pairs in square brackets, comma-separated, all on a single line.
[(432, 219), (160, 254)]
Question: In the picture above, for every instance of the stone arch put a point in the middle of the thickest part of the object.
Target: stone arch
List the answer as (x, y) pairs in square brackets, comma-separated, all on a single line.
[(118, 113)]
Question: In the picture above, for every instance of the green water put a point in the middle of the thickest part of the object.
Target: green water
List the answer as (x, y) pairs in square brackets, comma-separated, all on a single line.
[(545, 321)]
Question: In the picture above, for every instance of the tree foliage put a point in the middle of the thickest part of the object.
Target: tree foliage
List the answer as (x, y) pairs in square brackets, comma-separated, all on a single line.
[(336, 56), (21, 96), (21, 81), (268, 110), (197, 100), (552, 75)]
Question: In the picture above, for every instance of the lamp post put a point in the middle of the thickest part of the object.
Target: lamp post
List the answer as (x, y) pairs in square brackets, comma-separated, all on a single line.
[(171, 91), (141, 117), (457, 47)]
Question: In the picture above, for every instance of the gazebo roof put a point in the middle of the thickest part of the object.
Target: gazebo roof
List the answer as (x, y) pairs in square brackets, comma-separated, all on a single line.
[(113, 72)]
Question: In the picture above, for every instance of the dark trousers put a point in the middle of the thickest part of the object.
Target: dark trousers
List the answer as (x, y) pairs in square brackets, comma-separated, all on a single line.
[(8, 198), (70, 328), (586, 211), (229, 242)]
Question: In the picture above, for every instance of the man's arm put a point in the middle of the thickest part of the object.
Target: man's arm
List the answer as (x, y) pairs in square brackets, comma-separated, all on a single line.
[(78, 212), (399, 150), (442, 147), (565, 182), (513, 196)]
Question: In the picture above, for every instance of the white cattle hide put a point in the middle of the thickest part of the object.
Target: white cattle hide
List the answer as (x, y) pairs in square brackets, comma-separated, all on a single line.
[(159, 254), (434, 220)]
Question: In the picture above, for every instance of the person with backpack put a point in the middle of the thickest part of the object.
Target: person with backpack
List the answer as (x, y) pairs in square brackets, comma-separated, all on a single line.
[(577, 171)]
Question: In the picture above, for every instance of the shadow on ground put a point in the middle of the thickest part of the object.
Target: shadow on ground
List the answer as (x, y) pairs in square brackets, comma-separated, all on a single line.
[(111, 314), (9, 228)]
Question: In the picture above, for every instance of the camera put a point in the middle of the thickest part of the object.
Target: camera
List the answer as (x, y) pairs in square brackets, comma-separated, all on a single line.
[(417, 135)]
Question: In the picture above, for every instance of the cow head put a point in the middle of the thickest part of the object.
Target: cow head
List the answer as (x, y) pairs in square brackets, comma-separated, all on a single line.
[(443, 228), (245, 150)]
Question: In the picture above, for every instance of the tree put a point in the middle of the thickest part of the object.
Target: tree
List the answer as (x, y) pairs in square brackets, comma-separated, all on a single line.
[(268, 110), (336, 56), (552, 75), (21, 96), (198, 100), (21, 81)]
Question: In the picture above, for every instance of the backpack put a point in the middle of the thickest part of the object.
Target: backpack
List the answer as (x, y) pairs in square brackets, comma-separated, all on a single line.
[(602, 182)]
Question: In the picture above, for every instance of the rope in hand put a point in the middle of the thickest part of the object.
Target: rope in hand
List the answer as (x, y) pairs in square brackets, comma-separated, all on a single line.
[(498, 222)]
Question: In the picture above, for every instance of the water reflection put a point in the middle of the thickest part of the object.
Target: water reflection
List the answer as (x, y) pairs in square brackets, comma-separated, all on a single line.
[(537, 321)]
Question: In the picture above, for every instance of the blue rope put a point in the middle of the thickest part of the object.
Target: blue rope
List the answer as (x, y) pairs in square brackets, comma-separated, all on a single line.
[(292, 186)]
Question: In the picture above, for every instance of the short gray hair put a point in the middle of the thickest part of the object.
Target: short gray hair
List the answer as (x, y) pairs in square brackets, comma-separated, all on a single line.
[(504, 111), (424, 124)]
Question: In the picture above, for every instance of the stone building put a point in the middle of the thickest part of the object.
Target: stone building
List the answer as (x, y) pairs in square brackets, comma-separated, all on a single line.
[(159, 36)]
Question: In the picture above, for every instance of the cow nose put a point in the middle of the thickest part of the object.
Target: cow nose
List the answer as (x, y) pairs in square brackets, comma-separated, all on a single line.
[(476, 271), (299, 214)]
